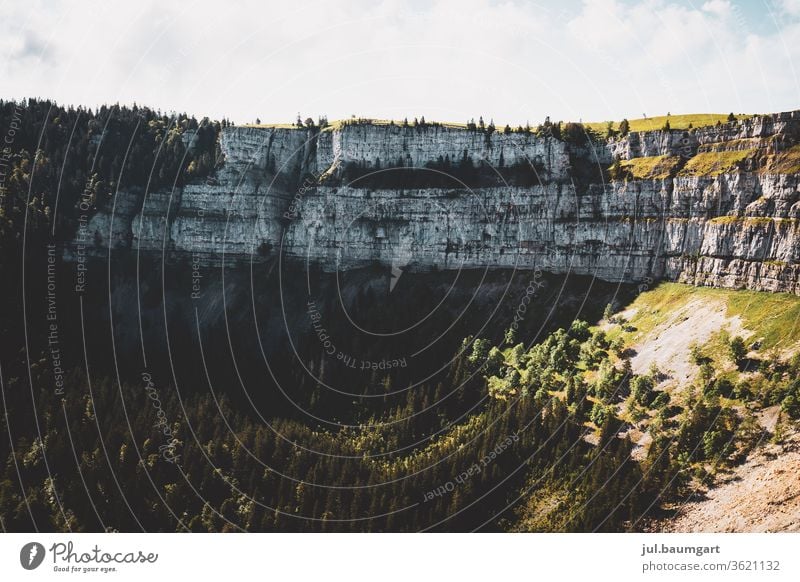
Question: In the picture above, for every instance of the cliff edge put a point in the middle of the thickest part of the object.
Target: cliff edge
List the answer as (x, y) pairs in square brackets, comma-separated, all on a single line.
[(715, 206)]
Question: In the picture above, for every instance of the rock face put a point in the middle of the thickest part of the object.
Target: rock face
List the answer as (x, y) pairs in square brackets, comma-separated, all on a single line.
[(449, 198)]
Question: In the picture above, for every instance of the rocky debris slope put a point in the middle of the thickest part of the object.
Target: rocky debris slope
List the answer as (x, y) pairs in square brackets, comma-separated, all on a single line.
[(714, 206), (668, 346), (761, 495)]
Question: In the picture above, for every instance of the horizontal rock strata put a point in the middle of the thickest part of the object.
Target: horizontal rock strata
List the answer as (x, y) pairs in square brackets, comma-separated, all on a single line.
[(494, 200)]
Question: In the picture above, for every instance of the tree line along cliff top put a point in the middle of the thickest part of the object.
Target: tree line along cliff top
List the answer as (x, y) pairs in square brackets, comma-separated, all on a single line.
[(602, 128)]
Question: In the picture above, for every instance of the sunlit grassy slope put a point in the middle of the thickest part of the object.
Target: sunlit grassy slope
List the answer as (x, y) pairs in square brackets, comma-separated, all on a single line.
[(774, 318), (652, 168), (715, 163), (787, 162)]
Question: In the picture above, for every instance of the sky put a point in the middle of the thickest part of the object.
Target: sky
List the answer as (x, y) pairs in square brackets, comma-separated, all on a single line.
[(513, 61)]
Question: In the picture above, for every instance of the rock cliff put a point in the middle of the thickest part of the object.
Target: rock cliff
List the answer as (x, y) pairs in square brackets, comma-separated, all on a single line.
[(710, 206)]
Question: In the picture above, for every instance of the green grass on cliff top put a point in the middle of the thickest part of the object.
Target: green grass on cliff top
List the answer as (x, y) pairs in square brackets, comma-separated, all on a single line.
[(643, 124), (675, 122), (775, 317)]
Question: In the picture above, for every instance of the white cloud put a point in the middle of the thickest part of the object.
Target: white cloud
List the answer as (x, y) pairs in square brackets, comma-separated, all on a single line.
[(511, 60), (790, 7), (718, 7)]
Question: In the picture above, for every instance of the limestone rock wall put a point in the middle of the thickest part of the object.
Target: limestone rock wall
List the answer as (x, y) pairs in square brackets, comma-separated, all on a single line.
[(392, 145), (275, 195), (686, 143)]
